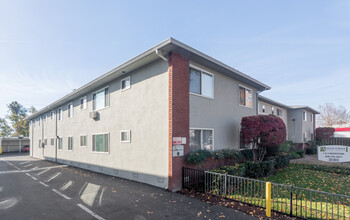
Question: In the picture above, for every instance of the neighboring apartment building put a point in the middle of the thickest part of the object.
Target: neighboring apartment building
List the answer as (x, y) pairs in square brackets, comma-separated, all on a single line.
[(138, 120), (299, 120)]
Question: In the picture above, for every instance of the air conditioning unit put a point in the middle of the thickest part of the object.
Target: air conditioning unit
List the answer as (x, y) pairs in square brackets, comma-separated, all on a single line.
[(94, 115)]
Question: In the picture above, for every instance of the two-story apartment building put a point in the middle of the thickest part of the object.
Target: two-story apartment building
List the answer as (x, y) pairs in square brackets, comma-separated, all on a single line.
[(139, 119), (299, 120)]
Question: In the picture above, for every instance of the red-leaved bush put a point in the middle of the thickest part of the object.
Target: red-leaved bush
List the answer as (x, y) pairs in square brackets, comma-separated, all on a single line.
[(262, 131), (323, 133)]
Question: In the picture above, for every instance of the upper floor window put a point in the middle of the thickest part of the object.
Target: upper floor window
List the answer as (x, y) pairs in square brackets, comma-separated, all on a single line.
[(60, 114), (39, 121), (312, 117), (263, 108), (272, 110), (201, 83), (100, 99), (245, 97), (83, 103), (46, 118), (70, 110), (279, 112), (304, 116), (125, 83), (51, 115)]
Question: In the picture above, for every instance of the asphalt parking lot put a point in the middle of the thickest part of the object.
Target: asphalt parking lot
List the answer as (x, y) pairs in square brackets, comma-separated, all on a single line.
[(37, 189)]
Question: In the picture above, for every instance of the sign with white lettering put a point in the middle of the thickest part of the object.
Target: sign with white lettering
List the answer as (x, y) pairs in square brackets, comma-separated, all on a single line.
[(333, 153), (183, 140), (178, 150)]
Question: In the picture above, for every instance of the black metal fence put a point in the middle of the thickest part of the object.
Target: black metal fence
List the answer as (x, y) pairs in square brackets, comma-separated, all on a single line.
[(287, 199)]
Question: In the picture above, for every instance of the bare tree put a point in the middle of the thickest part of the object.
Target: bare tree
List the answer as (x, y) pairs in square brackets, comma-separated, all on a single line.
[(331, 115)]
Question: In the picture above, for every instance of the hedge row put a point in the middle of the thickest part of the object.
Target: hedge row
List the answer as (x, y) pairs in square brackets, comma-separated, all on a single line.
[(256, 169), (200, 156)]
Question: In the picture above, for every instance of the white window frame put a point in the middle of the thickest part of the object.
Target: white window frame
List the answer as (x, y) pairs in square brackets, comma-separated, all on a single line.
[(82, 98), (85, 140), (263, 108), (245, 87), (273, 110), (304, 114), (45, 142), (72, 114), (312, 117), (52, 115), (212, 129), (205, 72), (109, 100), (46, 117), (68, 143), (279, 112), (53, 141), (109, 143), (60, 142), (121, 83), (39, 121), (129, 131), (60, 114)]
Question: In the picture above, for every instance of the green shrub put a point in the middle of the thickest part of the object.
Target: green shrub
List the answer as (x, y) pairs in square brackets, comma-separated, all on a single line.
[(235, 170), (301, 153), (256, 169), (197, 157), (294, 155), (228, 153), (286, 147), (311, 150), (247, 154), (311, 144)]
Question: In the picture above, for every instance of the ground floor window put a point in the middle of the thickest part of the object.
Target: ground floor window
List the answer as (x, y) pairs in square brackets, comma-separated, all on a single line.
[(60, 143), (52, 141), (39, 143), (125, 136), (201, 139), (100, 142), (83, 140), (70, 143)]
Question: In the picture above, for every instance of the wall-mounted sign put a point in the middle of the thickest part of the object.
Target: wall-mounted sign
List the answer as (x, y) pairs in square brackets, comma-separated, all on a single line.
[(178, 150), (333, 153), (177, 140), (183, 140)]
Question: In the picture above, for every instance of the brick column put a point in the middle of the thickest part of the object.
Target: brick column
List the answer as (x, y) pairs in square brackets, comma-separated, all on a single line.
[(178, 115)]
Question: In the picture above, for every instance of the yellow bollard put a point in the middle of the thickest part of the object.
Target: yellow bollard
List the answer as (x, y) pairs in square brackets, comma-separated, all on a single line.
[(0, 150), (268, 199)]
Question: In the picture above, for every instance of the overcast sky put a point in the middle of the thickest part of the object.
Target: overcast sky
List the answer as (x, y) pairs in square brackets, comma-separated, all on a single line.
[(299, 48)]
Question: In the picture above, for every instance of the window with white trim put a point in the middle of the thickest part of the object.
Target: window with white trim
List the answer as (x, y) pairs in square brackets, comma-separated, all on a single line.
[(304, 137), (60, 143), (100, 143), (245, 97), (279, 112), (263, 108), (52, 115), (312, 117), (39, 121), (100, 99), (125, 136), (46, 117), (201, 83), (83, 103), (52, 140), (60, 114), (70, 110), (125, 83), (83, 140), (201, 139), (272, 110), (304, 116), (70, 143)]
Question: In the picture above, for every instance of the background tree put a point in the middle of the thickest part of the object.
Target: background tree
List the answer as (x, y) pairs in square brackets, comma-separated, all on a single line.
[(331, 115), (5, 129), (323, 133), (262, 131), (17, 115), (32, 110)]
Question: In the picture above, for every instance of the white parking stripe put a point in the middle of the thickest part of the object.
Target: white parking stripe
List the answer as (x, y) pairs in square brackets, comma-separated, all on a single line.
[(44, 171), (25, 162), (44, 168), (53, 177), (34, 178), (61, 194), (28, 165), (44, 184), (28, 174), (65, 186), (90, 212)]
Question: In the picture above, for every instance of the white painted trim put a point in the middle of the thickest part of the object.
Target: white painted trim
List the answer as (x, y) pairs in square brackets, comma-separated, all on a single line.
[(205, 72), (68, 143), (60, 115), (84, 97), (212, 129), (85, 140), (109, 99), (72, 115), (53, 141), (58, 146), (121, 136), (121, 83), (246, 87), (109, 144)]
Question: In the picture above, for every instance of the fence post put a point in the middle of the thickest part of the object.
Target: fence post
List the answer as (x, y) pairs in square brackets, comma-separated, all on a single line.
[(225, 189), (183, 177), (268, 199), (291, 201)]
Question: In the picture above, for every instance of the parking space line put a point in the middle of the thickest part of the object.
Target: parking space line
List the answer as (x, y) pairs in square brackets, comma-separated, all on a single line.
[(44, 184), (90, 212), (61, 194), (28, 174), (44, 171), (25, 162), (34, 178), (53, 177), (19, 170), (28, 165)]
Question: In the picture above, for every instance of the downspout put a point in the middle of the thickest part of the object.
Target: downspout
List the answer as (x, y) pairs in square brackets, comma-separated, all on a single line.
[(56, 137), (160, 54), (32, 140)]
